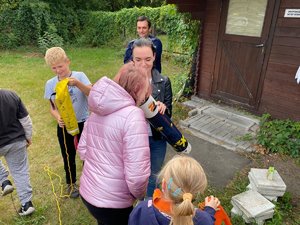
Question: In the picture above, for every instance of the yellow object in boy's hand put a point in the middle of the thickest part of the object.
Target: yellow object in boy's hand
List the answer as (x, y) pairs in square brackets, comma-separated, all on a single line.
[(65, 108)]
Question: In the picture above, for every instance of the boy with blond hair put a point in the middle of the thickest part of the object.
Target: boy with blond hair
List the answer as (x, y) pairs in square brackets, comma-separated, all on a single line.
[(79, 87)]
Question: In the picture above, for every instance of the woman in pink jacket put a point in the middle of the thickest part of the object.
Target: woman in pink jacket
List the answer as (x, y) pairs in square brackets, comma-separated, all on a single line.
[(114, 146)]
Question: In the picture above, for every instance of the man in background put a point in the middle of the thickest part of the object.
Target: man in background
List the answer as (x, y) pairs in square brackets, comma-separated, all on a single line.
[(143, 27)]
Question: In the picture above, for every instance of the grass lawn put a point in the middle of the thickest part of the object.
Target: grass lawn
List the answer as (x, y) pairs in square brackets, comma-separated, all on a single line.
[(25, 72)]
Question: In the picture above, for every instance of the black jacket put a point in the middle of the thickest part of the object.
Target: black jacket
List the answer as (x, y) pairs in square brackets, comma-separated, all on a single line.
[(161, 91)]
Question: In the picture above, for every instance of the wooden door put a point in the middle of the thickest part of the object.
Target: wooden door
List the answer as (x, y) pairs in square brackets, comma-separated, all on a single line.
[(242, 43)]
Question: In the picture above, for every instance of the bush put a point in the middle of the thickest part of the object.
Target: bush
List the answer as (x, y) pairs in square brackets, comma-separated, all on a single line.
[(282, 136), (8, 41), (49, 40), (32, 19), (108, 27), (8, 38)]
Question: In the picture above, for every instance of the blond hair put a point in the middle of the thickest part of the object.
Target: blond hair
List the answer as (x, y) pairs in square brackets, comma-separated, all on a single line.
[(55, 55), (185, 178)]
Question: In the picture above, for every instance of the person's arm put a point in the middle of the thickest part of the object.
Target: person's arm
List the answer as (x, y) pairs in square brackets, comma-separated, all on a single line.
[(159, 48), (136, 153), (82, 147), (168, 97), (82, 87), (55, 114), (24, 119), (27, 126), (128, 53)]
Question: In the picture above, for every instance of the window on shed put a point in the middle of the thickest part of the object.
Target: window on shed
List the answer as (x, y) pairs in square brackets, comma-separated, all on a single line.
[(246, 17)]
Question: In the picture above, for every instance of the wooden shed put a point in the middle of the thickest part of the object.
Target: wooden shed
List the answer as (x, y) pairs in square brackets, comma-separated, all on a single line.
[(249, 53)]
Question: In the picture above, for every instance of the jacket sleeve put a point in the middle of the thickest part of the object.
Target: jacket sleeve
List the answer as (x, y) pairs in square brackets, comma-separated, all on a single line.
[(158, 49), (128, 53), (136, 153), (27, 126), (168, 96), (81, 149)]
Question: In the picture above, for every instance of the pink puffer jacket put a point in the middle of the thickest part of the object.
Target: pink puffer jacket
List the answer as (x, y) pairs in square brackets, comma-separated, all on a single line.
[(115, 149)]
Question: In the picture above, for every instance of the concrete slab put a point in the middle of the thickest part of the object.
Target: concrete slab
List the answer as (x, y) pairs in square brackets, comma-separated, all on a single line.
[(260, 178), (219, 163), (220, 125), (253, 204)]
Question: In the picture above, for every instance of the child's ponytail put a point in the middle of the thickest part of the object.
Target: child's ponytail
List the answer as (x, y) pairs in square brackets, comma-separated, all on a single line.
[(183, 212), (182, 178)]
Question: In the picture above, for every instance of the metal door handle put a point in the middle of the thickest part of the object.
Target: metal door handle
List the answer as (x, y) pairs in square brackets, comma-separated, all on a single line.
[(259, 45)]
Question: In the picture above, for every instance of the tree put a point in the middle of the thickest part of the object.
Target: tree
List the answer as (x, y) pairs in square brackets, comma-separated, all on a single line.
[(9, 4), (106, 5)]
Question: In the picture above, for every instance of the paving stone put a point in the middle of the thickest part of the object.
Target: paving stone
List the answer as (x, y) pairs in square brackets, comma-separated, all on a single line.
[(194, 119), (220, 124), (253, 204), (201, 122), (259, 181)]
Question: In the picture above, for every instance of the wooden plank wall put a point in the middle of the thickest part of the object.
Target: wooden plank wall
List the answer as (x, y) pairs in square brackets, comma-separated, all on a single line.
[(208, 48), (195, 7), (281, 94)]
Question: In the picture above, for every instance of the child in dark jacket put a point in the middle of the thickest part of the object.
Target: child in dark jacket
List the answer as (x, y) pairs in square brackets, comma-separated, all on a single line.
[(181, 179)]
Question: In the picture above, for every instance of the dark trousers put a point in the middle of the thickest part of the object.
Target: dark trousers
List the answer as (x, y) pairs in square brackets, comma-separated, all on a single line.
[(108, 216), (69, 153)]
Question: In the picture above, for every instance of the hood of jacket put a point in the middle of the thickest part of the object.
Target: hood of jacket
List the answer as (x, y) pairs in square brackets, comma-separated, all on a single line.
[(106, 97)]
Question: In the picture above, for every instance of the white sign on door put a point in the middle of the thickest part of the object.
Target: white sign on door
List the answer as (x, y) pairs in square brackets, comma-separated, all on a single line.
[(295, 13)]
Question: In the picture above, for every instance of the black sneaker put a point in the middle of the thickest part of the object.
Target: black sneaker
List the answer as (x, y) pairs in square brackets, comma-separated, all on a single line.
[(7, 188), (26, 209), (73, 191)]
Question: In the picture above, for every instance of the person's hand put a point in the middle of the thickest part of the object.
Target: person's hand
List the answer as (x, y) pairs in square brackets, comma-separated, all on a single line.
[(60, 122), (161, 107), (29, 142), (72, 81), (212, 202)]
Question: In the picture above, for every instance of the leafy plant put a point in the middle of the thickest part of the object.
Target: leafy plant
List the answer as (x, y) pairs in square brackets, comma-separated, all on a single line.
[(283, 209), (246, 137), (282, 136), (49, 40)]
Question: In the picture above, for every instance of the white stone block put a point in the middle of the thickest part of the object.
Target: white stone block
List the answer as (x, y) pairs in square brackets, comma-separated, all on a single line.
[(260, 178), (252, 204)]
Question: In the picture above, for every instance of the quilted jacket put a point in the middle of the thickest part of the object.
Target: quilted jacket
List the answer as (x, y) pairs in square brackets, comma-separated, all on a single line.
[(115, 149)]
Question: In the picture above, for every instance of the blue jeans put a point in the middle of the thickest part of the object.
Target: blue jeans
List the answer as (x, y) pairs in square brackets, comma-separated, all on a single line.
[(157, 156)]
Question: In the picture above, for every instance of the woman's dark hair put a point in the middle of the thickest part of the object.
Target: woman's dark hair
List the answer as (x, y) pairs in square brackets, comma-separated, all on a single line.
[(141, 42)]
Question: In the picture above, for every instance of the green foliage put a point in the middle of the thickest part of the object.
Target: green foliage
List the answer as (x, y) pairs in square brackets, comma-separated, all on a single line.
[(102, 26), (182, 32), (45, 23), (8, 38), (49, 40), (66, 21), (100, 29), (105, 5), (283, 209), (282, 136), (246, 137), (32, 17), (9, 4)]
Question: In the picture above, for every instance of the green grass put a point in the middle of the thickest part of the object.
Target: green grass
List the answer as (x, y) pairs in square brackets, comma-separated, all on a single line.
[(25, 72)]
